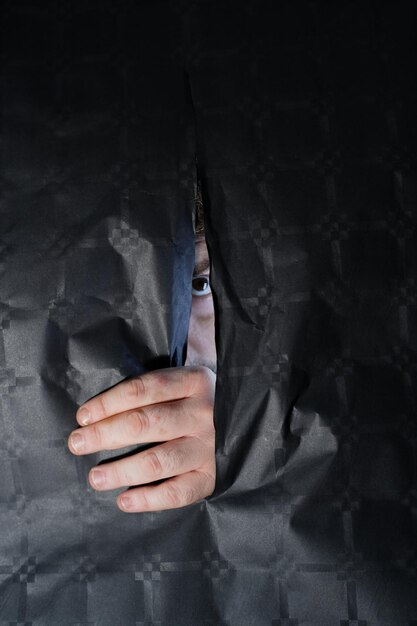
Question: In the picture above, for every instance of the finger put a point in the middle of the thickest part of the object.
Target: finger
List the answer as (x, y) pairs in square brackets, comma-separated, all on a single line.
[(171, 494), (163, 461), (157, 422), (153, 387)]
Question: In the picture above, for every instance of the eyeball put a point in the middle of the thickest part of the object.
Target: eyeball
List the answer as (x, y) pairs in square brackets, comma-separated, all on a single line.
[(201, 286)]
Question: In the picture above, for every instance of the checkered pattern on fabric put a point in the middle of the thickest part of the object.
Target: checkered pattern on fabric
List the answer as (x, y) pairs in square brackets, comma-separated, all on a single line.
[(302, 119)]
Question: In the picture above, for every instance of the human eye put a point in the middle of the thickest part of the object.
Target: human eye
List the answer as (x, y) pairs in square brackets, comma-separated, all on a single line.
[(201, 285)]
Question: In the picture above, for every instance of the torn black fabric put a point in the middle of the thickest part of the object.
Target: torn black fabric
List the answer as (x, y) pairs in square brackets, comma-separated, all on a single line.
[(301, 119)]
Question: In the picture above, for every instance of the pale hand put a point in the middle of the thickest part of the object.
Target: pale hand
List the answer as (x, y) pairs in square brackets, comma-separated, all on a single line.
[(174, 406)]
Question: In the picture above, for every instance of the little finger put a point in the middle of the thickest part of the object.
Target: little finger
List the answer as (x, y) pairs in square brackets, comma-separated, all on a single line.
[(171, 494)]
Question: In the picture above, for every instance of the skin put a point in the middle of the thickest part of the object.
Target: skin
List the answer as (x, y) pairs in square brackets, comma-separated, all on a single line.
[(201, 344), (172, 407)]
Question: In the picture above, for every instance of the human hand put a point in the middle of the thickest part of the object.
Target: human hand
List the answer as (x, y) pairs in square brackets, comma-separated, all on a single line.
[(174, 406)]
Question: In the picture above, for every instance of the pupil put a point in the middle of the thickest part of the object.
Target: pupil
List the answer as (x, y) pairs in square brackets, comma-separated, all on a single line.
[(200, 284)]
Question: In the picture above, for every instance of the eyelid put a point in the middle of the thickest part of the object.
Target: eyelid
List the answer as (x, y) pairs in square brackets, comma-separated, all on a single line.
[(202, 267), (203, 273)]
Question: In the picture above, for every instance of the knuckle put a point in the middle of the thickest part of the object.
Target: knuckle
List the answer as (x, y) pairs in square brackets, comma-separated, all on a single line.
[(160, 378), (157, 379), (207, 411), (190, 495), (173, 460), (154, 416), (99, 407), (117, 474), (138, 422), (209, 448), (154, 464), (204, 379), (127, 472), (177, 497), (206, 437), (96, 436), (133, 389), (207, 375), (145, 504), (209, 483)]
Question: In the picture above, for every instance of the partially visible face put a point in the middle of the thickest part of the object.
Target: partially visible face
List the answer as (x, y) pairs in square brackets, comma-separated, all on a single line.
[(201, 344)]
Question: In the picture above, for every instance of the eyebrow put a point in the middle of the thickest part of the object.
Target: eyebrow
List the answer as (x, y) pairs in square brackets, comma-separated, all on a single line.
[(202, 266)]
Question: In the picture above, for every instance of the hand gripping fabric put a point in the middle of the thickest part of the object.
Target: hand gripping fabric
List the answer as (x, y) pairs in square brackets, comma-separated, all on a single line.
[(301, 118)]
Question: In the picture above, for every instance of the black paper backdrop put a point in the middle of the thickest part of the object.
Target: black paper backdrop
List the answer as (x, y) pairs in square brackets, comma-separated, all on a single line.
[(301, 117)]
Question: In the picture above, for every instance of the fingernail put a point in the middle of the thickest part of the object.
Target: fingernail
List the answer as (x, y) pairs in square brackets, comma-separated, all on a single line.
[(77, 441), (84, 416), (126, 502), (98, 478)]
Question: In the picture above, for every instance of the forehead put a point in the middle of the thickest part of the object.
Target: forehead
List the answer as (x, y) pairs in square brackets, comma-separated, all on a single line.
[(201, 248)]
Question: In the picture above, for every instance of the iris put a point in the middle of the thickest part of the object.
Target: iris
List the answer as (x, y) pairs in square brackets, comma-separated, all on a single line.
[(201, 286)]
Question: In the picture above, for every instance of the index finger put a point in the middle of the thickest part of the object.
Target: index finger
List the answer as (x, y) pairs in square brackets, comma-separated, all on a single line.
[(150, 388)]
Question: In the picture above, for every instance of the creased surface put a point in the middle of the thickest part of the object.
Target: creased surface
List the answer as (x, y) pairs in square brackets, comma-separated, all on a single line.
[(301, 117)]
